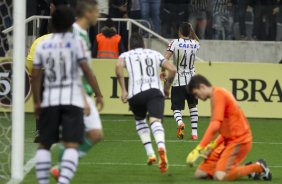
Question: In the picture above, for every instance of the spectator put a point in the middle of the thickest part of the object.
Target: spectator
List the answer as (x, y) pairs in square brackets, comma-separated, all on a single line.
[(277, 11), (135, 9), (222, 19), (241, 10), (150, 9), (264, 20), (103, 8), (172, 15), (119, 9), (198, 16), (108, 43)]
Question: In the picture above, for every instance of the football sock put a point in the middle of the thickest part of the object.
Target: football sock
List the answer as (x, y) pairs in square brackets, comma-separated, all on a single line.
[(143, 131), (85, 147), (243, 171), (68, 165), (43, 165), (159, 135), (194, 120), (177, 116)]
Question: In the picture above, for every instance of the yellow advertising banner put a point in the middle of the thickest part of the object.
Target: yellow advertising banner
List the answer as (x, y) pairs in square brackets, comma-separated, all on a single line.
[(257, 87)]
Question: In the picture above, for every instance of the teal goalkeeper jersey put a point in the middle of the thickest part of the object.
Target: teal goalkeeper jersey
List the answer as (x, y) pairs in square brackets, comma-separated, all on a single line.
[(87, 48)]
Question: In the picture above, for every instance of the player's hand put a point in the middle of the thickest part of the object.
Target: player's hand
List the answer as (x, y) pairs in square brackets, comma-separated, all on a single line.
[(37, 110), (124, 96), (86, 109), (163, 76), (194, 155), (99, 103)]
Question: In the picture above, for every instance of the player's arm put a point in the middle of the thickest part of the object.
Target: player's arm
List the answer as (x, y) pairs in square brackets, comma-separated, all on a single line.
[(92, 80), (171, 74), (120, 76)]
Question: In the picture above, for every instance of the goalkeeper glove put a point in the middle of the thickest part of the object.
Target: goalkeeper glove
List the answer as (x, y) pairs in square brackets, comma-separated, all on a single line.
[(194, 155), (208, 149)]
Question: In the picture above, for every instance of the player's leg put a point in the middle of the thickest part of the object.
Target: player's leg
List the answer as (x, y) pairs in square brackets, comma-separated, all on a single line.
[(155, 106), (138, 107), (72, 136), (206, 169), (49, 134), (93, 128), (228, 166), (177, 105), (194, 117)]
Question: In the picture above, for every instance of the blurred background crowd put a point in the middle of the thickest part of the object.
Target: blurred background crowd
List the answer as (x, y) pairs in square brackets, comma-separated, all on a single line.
[(212, 19)]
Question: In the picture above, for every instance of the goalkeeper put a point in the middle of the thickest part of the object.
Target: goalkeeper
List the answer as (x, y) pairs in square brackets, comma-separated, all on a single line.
[(224, 156)]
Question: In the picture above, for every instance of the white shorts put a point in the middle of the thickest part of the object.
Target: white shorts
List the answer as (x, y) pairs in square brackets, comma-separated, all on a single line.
[(92, 121)]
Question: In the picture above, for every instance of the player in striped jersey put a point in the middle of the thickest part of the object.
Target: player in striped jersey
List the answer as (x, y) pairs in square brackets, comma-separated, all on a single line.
[(183, 51), (87, 14), (61, 56), (145, 94)]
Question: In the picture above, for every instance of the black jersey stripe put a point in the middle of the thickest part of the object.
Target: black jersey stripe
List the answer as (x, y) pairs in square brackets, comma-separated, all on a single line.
[(132, 75), (178, 67)]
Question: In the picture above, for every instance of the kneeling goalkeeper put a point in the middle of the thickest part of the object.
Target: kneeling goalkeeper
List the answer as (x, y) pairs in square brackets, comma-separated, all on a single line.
[(228, 151)]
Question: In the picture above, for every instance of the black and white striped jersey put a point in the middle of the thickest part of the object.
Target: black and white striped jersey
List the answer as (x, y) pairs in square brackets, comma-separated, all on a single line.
[(60, 56), (184, 58), (143, 70)]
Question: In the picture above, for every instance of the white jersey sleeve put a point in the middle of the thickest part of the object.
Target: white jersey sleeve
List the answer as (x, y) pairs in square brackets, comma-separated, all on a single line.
[(37, 63)]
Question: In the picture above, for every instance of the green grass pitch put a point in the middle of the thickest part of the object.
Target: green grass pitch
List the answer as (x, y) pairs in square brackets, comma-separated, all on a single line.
[(121, 158)]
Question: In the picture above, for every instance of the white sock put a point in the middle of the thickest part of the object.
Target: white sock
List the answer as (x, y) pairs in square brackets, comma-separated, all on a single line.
[(159, 135), (144, 133), (177, 116), (43, 165), (68, 165), (194, 120)]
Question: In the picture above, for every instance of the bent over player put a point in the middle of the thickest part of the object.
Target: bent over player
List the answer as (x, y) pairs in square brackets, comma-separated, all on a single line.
[(234, 141), (183, 51), (145, 94), (61, 106)]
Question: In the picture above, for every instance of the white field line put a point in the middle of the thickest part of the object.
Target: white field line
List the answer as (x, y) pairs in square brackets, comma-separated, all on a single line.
[(31, 163), (183, 141), (139, 164)]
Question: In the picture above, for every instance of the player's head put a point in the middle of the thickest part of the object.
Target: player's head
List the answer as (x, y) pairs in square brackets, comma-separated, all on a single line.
[(62, 19), (184, 29), (88, 10), (136, 41), (200, 87)]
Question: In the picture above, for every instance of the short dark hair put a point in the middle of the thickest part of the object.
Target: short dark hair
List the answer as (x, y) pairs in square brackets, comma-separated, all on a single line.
[(185, 29), (196, 81), (62, 19), (84, 5), (136, 41)]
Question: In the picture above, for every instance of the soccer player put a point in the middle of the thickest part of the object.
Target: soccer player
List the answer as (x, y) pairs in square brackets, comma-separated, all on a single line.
[(183, 51), (145, 94), (234, 141), (61, 56), (86, 15), (29, 66)]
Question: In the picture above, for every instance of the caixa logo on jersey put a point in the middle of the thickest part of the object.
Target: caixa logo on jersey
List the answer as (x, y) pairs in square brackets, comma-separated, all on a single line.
[(255, 90), (6, 84)]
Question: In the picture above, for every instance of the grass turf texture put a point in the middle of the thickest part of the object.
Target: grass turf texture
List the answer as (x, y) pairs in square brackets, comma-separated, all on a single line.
[(121, 158)]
